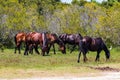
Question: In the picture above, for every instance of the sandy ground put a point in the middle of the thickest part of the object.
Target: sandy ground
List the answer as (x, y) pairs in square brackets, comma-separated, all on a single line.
[(103, 73), (104, 76)]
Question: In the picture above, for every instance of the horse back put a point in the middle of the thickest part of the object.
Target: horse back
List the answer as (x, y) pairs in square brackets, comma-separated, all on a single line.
[(20, 37), (51, 37), (37, 37), (63, 37)]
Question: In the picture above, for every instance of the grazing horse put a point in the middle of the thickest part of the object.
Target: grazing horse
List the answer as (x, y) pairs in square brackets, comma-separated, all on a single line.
[(92, 44), (33, 39), (53, 38), (19, 38), (72, 39)]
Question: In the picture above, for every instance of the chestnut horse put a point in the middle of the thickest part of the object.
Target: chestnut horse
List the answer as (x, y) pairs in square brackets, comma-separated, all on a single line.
[(92, 44), (53, 38), (72, 39), (19, 38), (33, 39)]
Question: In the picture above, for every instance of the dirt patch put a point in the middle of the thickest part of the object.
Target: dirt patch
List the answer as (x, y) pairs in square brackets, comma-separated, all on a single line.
[(105, 69)]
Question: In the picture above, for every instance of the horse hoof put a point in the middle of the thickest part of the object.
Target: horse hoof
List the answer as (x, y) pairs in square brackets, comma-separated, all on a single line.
[(25, 54), (78, 61), (43, 54)]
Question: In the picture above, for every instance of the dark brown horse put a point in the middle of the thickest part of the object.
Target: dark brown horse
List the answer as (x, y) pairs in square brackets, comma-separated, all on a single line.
[(72, 39), (53, 38), (19, 38), (92, 44), (33, 39)]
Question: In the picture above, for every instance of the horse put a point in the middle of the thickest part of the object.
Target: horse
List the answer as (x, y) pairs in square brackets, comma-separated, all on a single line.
[(92, 44), (72, 39), (33, 39), (54, 38), (19, 39)]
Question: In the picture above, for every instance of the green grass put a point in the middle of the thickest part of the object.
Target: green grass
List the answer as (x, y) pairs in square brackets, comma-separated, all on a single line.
[(10, 62), (9, 59)]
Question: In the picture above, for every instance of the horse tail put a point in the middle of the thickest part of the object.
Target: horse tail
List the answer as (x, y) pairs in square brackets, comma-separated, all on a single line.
[(44, 40), (15, 39), (107, 52)]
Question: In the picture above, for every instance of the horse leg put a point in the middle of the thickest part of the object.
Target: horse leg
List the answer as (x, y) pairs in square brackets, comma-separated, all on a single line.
[(36, 49), (84, 57), (19, 45), (43, 53), (79, 57), (54, 49), (73, 48), (31, 47), (98, 55), (19, 49), (26, 50), (48, 49), (15, 49)]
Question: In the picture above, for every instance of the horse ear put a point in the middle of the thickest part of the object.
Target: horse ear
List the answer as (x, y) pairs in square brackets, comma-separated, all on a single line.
[(80, 35)]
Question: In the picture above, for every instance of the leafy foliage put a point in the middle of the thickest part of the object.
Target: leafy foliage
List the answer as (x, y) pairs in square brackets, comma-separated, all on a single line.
[(88, 18)]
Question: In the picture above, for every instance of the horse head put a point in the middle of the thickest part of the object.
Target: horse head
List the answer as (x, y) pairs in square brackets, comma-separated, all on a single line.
[(60, 43), (62, 47)]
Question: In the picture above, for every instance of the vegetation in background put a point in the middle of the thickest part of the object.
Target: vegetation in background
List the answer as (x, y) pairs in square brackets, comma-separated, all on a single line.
[(88, 18)]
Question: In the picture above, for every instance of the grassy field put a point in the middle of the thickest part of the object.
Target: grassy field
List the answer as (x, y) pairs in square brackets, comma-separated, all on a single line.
[(17, 65)]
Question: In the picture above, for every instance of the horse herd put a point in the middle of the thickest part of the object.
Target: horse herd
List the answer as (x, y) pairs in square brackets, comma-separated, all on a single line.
[(45, 40)]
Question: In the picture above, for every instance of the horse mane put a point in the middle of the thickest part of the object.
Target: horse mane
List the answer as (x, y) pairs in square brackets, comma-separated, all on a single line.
[(81, 37), (58, 41), (79, 34)]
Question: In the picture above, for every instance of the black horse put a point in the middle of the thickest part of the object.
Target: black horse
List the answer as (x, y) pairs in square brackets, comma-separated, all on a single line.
[(92, 44), (72, 39)]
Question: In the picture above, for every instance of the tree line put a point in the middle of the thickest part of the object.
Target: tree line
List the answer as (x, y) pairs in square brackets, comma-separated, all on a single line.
[(80, 16)]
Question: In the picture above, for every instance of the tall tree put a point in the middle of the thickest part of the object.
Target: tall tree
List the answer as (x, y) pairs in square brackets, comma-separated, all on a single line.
[(93, 0), (79, 2)]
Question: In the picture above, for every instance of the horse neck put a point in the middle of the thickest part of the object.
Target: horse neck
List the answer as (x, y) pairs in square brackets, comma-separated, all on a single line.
[(79, 38), (59, 41), (105, 48), (107, 52)]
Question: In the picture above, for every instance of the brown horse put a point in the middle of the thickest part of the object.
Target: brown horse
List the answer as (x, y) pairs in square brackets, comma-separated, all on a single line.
[(52, 38), (33, 39), (92, 44), (19, 38)]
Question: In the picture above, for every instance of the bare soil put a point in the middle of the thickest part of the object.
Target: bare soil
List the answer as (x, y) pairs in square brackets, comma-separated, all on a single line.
[(99, 73), (105, 69)]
